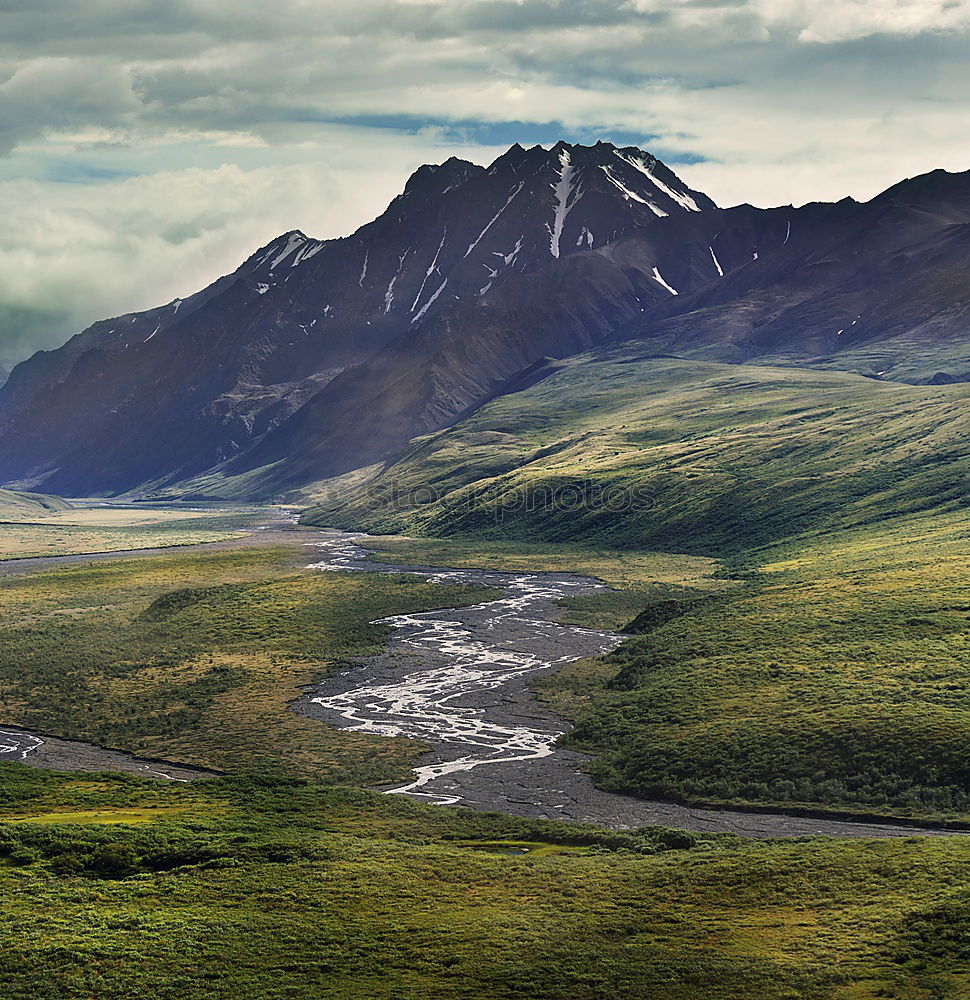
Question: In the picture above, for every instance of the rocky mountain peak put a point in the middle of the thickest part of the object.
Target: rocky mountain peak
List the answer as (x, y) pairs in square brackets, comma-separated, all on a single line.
[(243, 355), (437, 179)]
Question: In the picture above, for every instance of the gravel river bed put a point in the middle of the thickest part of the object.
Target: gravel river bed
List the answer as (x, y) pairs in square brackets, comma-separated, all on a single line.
[(459, 679)]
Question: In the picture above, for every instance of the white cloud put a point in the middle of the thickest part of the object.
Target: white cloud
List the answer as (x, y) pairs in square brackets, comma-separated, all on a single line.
[(827, 21), (228, 116)]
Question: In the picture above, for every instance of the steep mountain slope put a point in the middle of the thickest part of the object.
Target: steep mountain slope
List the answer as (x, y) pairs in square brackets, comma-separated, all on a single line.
[(879, 287), (474, 351), (167, 393), (876, 287), (316, 359)]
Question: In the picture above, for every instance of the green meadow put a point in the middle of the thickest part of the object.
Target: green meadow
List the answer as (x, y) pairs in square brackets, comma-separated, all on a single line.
[(271, 886), (286, 879), (791, 575)]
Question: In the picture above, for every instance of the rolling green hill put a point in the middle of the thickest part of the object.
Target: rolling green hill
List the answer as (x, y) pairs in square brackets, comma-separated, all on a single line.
[(635, 452), (835, 677), (17, 506)]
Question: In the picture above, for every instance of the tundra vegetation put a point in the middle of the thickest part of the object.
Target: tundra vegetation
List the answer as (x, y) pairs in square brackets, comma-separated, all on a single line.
[(795, 591), (285, 878), (50, 526), (274, 886)]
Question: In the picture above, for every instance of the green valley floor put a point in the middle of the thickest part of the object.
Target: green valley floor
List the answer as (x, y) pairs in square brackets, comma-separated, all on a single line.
[(285, 877)]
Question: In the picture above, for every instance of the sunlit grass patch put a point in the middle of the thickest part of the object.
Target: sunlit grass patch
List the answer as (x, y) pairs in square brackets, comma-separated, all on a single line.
[(126, 817), (106, 529), (195, 657)]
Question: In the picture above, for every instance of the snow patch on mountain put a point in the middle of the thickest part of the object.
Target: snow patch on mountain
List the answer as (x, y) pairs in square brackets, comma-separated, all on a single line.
[(389, 294), (431, 301), (658, 277), (717, 263), (631, 195), (293, 243), (495, 218), (431, 269), (310, 248), (509, 258), (644, 166), (567, 194)]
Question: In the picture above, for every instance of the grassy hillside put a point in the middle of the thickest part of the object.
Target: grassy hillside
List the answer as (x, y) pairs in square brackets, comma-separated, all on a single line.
[(675, 455), (276, 889), (18, 506), (838, 680)]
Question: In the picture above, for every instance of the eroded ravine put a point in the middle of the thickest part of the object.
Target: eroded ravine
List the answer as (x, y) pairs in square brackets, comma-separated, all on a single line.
[(459, 679)]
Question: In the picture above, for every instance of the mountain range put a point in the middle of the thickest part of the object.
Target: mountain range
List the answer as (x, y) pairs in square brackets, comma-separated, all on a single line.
[(325, 358)]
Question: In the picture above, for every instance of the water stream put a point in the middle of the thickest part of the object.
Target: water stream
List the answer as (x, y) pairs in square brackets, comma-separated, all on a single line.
[(459, 680), (453, 691)]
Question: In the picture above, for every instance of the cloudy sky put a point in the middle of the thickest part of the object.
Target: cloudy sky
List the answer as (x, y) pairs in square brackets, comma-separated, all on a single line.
[(147, 146)]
